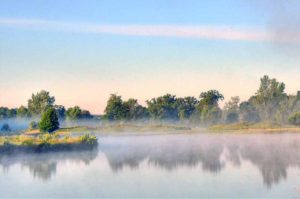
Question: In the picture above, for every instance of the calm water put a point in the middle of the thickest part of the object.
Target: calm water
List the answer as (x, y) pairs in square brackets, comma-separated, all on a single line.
[(201, 165)]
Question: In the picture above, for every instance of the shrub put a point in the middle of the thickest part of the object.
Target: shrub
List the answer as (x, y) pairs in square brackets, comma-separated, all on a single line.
[(5, 127), (88, 138), (28, 142), (49, 121), (295, 119), (33, 125)]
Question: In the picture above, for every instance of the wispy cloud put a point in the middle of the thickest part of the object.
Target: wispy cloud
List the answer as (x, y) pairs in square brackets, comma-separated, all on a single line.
[(182, 31)]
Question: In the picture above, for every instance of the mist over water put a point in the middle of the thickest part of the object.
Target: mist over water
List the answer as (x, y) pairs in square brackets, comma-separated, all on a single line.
[(190, 165)]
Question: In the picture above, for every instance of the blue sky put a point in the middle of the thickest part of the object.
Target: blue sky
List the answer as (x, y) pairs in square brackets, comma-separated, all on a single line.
[(81, 51)]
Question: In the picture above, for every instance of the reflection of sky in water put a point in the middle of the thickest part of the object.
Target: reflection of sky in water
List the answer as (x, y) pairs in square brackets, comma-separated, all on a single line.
[(169, 165)]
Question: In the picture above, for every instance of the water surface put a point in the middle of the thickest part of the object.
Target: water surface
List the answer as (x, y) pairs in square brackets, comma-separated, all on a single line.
[(185, 165)]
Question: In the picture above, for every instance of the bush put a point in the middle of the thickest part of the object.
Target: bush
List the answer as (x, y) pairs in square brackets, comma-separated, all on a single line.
[(295, 119), (88, 138), (49, 121), (5, 127), (33, 125)]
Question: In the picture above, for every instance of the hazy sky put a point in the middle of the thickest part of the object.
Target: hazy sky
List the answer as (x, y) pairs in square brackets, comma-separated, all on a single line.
[(81, 51)]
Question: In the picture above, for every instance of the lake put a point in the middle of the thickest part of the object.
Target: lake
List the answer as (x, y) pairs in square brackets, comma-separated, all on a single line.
[(161, 166)]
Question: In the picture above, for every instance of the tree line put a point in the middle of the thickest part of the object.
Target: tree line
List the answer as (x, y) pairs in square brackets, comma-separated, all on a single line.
[(39, 103), (270, 103)]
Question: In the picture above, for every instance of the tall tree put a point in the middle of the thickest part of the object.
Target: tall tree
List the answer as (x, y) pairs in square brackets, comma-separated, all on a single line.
[(208, 107), (268, 97), (39, 102), (115, 110)]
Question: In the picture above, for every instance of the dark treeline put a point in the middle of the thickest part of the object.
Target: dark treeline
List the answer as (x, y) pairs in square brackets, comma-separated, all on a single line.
[(269, 104)]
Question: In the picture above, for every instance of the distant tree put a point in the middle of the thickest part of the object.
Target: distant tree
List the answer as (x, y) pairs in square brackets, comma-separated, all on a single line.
[(85, 114), (186, 107), (164, 107), (22, 111), (115, 109), (5, 127), (134, 111), (6, 113), (248, 112), (40, 102), (268, 97), (60, 111), (49, 121), (74, 113), (208, 107), (231, 110), (3, 112), (210, 98)]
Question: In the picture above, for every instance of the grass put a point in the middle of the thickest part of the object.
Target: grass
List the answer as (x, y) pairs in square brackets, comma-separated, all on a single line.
[(261, 126), (45, 142), (116, 128)]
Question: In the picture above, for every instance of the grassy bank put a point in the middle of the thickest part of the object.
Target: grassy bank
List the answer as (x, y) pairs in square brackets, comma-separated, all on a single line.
[(117, 128), (46, 142), (257, 127)]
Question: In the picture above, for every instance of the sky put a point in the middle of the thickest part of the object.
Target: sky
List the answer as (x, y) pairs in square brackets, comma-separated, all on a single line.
[(83, 51)]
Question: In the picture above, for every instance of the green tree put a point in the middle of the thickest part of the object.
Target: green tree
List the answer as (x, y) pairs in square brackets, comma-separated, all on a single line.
[(49, 121), (40, 102), (186, 107), (74, 113), (268, 97), (115, 109), (208, 107), (134, 111), (163, 107)]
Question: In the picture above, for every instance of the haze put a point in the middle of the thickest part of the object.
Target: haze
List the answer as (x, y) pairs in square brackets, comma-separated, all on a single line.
[(82, 51)]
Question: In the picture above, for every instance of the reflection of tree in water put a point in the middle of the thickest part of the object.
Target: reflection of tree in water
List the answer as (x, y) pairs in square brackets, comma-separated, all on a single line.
[(271, 154), (168, 154), (43, 165), (273, 157)]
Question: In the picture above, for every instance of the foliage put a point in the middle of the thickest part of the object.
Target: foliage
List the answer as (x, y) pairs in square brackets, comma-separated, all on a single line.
[(23, 112), (88, 138), (117, 109), (164, 107), (76, 113), (210, 112), (40, 102), (49, 121), (268, 97), (295, 119), (7, 113), (114, 109)]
